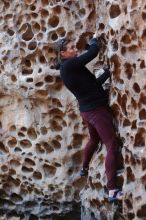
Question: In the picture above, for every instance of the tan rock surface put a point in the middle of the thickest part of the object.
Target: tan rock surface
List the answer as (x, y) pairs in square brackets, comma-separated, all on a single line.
[(42, 134)]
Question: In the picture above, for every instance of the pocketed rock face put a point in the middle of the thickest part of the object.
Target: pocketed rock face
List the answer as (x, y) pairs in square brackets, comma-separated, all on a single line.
[(42, 134), (122, 26), (40, 127)]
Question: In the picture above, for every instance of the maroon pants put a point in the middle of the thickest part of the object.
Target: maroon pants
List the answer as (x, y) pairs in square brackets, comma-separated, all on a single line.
[(100, 125)]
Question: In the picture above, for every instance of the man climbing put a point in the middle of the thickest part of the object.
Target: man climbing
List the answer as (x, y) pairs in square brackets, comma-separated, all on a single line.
[(93, 105)]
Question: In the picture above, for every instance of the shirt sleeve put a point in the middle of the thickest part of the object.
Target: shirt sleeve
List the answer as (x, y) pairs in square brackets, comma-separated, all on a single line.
[(101, 79), (94, 48)]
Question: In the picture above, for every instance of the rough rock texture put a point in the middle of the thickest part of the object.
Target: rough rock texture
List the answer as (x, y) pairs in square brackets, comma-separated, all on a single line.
[(42, 134)]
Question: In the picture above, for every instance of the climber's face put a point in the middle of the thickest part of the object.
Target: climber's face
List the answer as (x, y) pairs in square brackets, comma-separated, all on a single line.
[(70, 52)]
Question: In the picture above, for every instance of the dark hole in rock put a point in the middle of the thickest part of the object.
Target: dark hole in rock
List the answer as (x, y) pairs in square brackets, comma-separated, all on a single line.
[(128, 70), (29, 80), (114, 11), (142, 64), (130, 175), (36, 27), (13, 78), (30, 162), (57, 9), (45, 2), (47, 147), (49, 170), (25, 143), (136, 87), (27, 169), (32, 133), (16, 198), (3, 148), (10, 32), (53, 21), (37, 175), (32, 45), (12, 142), (126, 39), (54, 36), (32, 7), (39, 84), (142, 114), (27, 71), (28, 35), (142, 211), (140, 138)]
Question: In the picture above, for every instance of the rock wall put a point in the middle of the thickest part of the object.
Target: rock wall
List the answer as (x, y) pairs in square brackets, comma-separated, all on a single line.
[(123, 27), (42, 134)]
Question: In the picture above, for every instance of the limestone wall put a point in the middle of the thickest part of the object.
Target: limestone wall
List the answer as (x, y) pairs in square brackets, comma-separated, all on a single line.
[(42, 134)]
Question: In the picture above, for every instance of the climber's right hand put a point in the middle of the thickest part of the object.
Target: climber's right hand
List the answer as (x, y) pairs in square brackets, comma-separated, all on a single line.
[(96, 41)]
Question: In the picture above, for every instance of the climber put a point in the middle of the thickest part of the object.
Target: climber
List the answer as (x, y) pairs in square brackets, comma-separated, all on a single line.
[(93, 105)]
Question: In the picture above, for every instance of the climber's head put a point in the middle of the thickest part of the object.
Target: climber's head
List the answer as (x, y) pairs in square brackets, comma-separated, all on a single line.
[(65, 49), (68, 49)]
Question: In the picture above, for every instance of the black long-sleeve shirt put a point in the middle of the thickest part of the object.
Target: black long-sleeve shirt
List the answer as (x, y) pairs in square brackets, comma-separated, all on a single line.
[(82, 83)]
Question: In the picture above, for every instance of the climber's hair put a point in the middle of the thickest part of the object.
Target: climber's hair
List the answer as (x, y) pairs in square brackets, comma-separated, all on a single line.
[(60, 46)]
